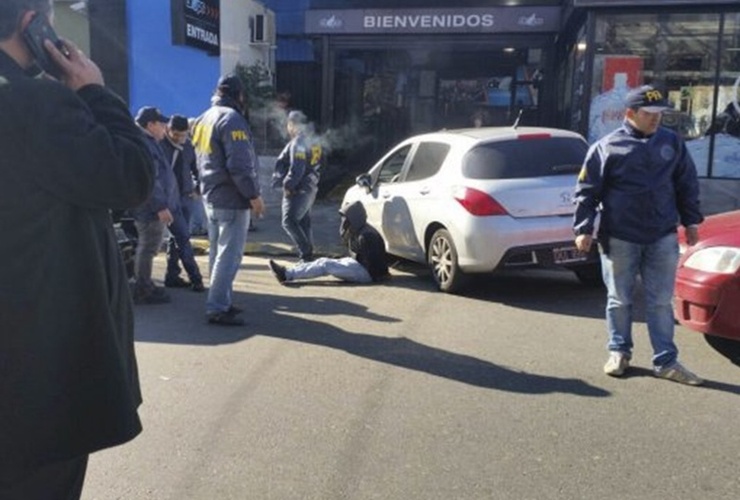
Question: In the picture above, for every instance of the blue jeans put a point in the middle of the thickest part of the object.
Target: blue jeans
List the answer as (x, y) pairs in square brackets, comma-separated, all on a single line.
[(227, 235), (346, 269), (655, 263), (296, 221), (179, 248)]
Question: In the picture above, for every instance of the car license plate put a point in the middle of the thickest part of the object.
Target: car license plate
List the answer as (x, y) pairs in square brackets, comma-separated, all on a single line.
[(565, 255)]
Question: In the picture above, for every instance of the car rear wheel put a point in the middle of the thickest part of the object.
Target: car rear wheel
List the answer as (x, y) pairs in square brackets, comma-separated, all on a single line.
[(442, 259)]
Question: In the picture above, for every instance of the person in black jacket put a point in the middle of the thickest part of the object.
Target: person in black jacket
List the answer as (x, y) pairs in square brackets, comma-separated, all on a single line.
[(179, 152), (153, 216), (68, 376), (368, 262)]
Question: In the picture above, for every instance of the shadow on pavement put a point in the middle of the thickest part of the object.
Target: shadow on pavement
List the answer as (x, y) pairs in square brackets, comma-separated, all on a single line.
[(544, 291), (277, 317), (638, 372), (728, 348)]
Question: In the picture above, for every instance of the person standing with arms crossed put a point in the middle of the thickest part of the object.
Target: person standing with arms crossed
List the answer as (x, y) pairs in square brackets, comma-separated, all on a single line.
[(227, 164), (642, 181), (70, 153)]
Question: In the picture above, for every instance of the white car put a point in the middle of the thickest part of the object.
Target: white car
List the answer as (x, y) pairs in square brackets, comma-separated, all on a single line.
[(479, 200)]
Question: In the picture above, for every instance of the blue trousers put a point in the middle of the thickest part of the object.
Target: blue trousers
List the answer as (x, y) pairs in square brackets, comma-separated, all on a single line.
[(296, 221), (346, 269), (180, 249), (656, 264), (227, 235)]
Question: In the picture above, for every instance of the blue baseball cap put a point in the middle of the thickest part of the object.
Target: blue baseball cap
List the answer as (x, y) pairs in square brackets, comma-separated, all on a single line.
[(647, 98), (149, 114)]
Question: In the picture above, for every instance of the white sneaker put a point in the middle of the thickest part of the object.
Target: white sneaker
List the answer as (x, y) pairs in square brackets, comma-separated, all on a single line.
[(617, 363), (678, 373)]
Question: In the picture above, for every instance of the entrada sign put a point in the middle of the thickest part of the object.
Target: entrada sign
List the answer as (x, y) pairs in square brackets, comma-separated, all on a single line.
[(197, 23), (402, 21)]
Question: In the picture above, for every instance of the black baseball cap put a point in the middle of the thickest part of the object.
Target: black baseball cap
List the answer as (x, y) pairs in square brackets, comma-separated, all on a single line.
[(179, 123), (647, 98), (230, 85), (149, 114)]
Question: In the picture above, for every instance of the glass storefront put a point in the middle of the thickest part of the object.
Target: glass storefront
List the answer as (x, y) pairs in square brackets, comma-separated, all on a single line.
[(684, 55), (385, 95)]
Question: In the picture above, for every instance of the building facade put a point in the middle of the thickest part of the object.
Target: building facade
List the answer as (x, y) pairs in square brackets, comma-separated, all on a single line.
[(385, 69), (375, 71), (169, 54), (689, 49)]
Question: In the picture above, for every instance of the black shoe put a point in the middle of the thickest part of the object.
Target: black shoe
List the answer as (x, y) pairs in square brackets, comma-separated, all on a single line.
[(197, 286), (225, 319), (176, 282), (278, 271), (235, 310)]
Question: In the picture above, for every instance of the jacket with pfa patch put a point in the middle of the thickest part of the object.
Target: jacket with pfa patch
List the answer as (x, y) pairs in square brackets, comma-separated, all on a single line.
[(643, 186), (297, 167)]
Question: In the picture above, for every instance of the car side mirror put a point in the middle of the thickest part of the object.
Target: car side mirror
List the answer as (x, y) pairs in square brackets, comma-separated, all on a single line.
[(364, 181)]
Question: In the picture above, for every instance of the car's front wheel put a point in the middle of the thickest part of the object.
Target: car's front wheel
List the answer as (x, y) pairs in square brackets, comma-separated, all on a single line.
[(442, 259)]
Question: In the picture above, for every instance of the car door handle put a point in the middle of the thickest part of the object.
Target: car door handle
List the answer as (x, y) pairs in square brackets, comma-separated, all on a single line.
[(425, 191), (385, 194)]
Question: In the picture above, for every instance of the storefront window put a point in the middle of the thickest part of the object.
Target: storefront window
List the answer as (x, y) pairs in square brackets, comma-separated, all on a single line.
[(578, 88), (676, 52), (725, 129)]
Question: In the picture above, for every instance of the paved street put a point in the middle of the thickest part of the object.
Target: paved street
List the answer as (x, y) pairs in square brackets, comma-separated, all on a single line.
[(398, 392)]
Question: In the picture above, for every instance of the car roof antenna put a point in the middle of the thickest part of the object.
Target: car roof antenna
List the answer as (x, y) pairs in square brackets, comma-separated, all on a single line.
[(519, 117)]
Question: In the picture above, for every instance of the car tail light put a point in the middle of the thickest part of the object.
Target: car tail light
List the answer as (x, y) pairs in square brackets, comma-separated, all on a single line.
[(478, 203)]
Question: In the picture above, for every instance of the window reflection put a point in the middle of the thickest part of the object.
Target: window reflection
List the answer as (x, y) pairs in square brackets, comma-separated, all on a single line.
[(725, 130), (678, 53)]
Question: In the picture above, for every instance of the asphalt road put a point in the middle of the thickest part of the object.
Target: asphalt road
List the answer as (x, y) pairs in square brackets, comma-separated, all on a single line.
[(398, 392)]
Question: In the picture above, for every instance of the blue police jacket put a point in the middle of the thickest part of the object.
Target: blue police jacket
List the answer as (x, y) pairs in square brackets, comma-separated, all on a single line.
[(165, 193), (642, 186), (227, 162), (298, 165)]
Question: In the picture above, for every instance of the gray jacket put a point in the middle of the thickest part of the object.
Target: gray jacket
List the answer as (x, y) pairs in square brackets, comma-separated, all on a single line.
[(227, 162)]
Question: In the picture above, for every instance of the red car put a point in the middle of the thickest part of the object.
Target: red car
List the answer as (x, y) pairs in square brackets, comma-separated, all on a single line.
[(707, 297)]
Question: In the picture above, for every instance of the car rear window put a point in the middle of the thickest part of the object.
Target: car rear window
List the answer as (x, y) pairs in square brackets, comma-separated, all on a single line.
[(520, 158)]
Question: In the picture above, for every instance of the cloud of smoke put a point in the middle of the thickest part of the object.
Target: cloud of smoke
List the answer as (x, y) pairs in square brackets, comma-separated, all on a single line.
[(346, 137)]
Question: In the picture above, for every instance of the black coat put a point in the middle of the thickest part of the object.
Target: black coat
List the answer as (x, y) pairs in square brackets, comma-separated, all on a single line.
[(68, 376), (366, 244)]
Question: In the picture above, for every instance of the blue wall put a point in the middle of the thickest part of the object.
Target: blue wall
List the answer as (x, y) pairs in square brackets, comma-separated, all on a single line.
[(176, 79)]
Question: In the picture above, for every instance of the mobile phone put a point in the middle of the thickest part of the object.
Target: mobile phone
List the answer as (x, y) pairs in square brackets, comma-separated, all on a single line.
[(37, 31)]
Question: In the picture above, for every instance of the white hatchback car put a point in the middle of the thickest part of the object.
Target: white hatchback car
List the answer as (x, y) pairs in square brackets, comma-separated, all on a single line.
[(479, 200)]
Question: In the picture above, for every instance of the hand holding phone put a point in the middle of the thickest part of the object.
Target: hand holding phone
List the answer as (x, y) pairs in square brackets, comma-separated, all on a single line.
[(60, 58), (35, 35)]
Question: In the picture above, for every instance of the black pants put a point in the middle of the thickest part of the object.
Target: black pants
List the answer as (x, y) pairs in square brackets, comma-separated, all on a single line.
[(57, 481)]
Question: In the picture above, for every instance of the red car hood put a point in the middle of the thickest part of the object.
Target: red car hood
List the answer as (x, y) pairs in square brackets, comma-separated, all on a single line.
[(717, 230)]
